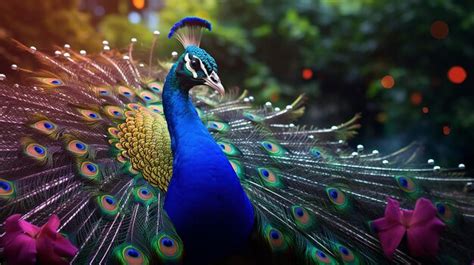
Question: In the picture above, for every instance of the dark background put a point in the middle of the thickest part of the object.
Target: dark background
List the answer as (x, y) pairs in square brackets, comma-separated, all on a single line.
[(388, 60)]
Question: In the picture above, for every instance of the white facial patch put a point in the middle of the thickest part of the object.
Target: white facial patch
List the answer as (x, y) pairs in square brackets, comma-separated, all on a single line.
[(215, 77), (188, 65), (203, 67)]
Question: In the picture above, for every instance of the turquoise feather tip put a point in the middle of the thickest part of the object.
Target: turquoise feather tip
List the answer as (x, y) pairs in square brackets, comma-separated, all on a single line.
[(189, 21)]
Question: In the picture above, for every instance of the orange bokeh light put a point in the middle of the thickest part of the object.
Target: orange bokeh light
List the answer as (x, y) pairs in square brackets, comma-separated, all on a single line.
[(275, 97), (138, 4), (387, 82), (307, 74), (457, 74), (439, 29), (425, 110), (446, 130), (416, 98)]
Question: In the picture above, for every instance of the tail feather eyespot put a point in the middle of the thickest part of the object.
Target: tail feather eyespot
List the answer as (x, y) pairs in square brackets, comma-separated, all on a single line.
[(149, 97), (406, 184), (320, 257), (90, 115), (89, 170), (103, 91), (446, 212), (155, 87), (229, 149), (77, 148), (36, 151), (346, 254), (126, 92), (217, 126), (114, 112), (50, 82), (316, 152), (338, 198), (270, 177), (134, 106), (7, 189), (128, 254), (156, 108), (302, 217), (144, 195), (168, 248), (253, 117), (275, 238), (273, 148), (107, 204), (45, 126)]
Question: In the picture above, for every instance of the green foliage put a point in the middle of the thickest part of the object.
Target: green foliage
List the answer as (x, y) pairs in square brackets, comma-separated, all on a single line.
[(43, 24), (118, 31), (351, 45)]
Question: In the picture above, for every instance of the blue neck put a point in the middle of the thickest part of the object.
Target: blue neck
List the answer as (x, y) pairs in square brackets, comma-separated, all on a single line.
[(205, 200), (181, 116)]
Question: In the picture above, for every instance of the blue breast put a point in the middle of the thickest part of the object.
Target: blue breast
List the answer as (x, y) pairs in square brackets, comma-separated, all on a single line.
[(205, 201)]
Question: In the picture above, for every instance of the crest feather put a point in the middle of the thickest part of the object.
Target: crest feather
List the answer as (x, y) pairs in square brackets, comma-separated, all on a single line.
[(188, 30)]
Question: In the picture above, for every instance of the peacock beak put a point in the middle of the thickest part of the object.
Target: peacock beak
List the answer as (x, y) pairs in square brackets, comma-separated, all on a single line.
[(214, 82)]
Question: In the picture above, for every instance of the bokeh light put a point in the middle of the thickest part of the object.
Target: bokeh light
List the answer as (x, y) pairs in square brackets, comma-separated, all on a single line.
[(416, 98), (457, 74), (307, 74), (439, 29), (275, 97), (134, 17), (425, 110), (446, 130), (138, 4), (387, 82)]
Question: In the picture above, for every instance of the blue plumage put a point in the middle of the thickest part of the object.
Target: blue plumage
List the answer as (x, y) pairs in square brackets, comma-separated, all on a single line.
[(205, 200), (189, 21)]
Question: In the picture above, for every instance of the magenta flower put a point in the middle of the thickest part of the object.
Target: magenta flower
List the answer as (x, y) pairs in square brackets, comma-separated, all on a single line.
[(421, 226), (25, 243)]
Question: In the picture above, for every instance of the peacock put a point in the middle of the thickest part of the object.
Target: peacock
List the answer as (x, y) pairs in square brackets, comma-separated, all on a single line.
[(106, 159)]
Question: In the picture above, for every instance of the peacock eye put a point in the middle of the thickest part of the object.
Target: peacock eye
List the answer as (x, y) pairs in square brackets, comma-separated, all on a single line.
[(195, 63)]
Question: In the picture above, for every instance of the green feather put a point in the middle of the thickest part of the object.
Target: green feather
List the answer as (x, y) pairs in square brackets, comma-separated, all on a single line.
[(169, 248), (127, 254)]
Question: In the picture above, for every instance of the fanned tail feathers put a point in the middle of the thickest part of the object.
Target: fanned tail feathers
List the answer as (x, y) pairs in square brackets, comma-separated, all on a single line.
[(62, 151)]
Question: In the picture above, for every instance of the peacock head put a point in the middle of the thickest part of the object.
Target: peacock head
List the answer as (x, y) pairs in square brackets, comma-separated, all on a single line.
[(195, 66)]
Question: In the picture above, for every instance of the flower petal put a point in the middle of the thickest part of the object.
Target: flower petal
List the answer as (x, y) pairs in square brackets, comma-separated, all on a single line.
[(14, 223), (21, 250), (392, 210), (391, 238), (389, 228), (424, 211), (64, 247), (19, 246), (424, 232), (52, 247), (52, 224)]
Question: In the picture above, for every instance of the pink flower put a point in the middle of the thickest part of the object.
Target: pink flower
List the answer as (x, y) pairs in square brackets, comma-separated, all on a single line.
[(421, 226), (25, 243)]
